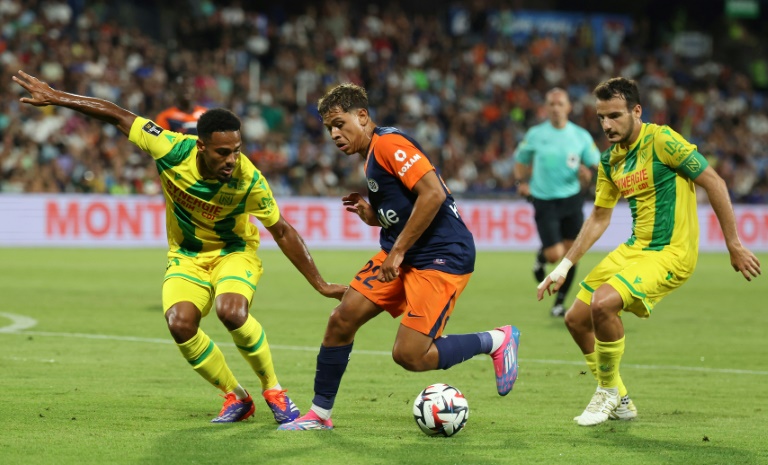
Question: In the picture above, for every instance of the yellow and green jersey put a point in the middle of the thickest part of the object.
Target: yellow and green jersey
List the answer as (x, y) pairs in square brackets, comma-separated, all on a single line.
[(205, 217), (655, 174)]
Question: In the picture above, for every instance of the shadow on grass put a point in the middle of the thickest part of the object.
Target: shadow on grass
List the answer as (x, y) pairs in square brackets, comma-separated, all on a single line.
[(259, 442), (698, 449), (392, 442)]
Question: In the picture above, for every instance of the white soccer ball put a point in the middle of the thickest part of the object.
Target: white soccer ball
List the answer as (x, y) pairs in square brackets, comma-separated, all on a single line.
[(440, 410)]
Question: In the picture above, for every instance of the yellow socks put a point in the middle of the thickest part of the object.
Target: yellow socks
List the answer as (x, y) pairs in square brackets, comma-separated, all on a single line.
[(591, 360), (251, 341), (206, 359), (608, 355)]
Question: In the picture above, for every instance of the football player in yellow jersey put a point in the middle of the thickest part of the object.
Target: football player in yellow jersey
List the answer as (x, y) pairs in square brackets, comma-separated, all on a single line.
[(210, 189), (655, 169)]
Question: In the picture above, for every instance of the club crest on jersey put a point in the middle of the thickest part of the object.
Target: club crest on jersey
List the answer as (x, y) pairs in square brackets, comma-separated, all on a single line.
[(226, 199), (373, 186), (693, 165), (152, 128)]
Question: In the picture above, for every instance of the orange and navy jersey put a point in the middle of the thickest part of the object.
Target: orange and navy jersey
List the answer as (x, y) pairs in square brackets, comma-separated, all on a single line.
[(394, 165), (176, 120)]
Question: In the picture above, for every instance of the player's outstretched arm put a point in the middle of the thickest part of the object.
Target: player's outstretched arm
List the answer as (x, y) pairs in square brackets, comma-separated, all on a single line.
[(293, 247), (41, 94), (742, 259), (591, 231)]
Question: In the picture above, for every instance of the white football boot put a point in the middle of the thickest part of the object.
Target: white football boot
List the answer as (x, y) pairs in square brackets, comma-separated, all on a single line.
[(603, 402), (626, 410)]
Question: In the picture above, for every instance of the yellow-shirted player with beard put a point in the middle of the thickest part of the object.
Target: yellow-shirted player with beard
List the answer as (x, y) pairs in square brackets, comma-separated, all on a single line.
[(656, 170), (211, 190)]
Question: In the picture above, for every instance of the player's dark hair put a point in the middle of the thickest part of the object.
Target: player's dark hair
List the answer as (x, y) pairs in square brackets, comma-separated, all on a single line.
[(345, 96), (619, 87), (217, 120)]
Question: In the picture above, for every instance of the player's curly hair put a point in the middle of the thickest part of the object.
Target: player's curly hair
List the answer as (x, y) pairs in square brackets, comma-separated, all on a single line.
[(619, 87), (345, 96), (217, 120)]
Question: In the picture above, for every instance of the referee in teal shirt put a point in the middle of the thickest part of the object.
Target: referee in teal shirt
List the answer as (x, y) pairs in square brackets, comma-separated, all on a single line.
[(553, 162)]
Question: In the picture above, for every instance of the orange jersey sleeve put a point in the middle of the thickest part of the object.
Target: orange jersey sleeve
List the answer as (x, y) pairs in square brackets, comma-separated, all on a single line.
[(401, 158)]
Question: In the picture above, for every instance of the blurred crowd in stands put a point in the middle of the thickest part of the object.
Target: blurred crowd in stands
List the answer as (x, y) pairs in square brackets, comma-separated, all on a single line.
[(458, 84)]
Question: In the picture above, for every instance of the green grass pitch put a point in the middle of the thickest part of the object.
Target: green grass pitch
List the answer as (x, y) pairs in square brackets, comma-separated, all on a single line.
[(90, 374)]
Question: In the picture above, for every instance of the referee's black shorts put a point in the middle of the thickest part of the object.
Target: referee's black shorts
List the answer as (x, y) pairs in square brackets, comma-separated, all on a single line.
[(558, 219)]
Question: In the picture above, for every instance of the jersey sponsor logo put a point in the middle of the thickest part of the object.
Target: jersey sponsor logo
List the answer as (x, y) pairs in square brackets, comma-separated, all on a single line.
[(266, 203), (455, 209), (373, 186), (401, 156), (387, 218), (632, 182), (152, 129), (190, 202), (675, 148)]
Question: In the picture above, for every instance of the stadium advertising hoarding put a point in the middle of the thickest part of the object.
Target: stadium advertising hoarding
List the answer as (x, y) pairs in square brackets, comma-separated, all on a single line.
[(139, 221)]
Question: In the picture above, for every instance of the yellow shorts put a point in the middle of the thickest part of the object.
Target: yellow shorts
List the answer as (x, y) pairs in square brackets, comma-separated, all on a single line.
[(641, 277), (200, 279)]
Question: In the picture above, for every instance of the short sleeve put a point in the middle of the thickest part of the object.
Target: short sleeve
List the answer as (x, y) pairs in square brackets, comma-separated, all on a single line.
[(156, 141), (606, 192), (525, 150), (679, 154), (261, 203), (400, 157)]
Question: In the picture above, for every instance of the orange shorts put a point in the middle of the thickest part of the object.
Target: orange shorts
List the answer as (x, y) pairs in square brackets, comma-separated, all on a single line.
[(425, 298)]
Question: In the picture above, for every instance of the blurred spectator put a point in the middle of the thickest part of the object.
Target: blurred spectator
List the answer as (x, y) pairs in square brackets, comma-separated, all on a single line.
[(458, 78), (183, 115)]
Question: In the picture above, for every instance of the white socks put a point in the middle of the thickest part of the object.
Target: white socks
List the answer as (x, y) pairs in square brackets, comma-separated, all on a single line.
[(498, 339)]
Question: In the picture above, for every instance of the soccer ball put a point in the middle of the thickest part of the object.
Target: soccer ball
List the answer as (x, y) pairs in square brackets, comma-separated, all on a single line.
[(440, 410)]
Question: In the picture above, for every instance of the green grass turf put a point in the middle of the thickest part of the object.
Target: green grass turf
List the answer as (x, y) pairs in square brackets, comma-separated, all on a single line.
[(97, 379)]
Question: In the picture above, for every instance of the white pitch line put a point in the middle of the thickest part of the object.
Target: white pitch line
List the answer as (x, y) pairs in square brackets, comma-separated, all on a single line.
[(377, 352), (18, 323)]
